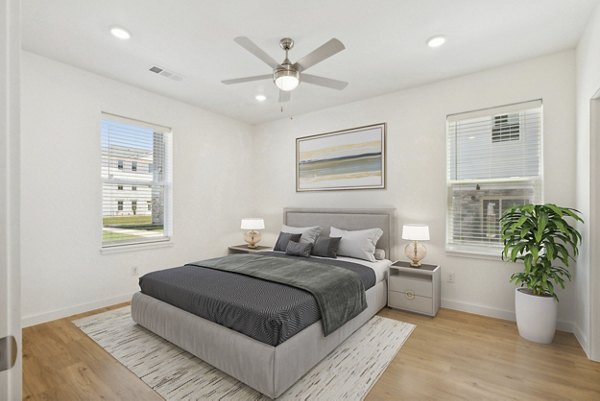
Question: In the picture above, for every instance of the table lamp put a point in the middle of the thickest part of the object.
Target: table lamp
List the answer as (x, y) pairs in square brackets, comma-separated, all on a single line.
[(415, 250), (252, 236)]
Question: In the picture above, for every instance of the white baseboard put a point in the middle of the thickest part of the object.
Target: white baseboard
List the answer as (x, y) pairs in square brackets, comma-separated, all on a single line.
[(499, 313), (583, 340), (32, 320)]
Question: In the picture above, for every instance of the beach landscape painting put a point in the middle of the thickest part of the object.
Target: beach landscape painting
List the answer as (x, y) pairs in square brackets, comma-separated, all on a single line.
[(348, 159)]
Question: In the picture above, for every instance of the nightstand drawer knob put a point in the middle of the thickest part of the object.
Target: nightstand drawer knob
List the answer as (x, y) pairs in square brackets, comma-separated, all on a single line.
[(410, 294)]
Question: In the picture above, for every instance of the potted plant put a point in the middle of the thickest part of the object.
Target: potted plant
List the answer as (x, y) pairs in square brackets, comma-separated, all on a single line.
[(541, 237)]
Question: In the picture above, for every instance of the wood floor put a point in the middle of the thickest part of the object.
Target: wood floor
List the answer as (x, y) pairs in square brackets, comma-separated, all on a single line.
[(455, 356)]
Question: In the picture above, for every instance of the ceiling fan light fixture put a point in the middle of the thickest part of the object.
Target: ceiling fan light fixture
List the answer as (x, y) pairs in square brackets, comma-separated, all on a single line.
[(286, 79)]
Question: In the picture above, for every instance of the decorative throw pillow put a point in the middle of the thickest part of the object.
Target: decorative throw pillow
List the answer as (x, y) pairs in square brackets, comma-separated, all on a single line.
[(326, 247), (298, 249), (284, 239), (379, 254), (358, 244), (309, 234)]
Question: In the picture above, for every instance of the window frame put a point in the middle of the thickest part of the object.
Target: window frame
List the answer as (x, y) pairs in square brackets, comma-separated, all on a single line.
[(535, 183)]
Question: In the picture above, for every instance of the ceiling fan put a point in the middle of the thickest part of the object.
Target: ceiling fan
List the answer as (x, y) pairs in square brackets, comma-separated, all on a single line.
[(287, 76)]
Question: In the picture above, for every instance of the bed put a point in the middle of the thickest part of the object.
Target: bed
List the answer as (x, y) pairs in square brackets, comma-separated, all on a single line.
[(270, 368)]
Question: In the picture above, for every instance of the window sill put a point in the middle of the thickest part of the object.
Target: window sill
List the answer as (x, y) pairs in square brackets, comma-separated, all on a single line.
[(474, 252), (136, 247)]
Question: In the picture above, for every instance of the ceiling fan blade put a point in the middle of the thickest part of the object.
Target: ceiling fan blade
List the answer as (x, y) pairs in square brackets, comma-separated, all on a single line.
[(247, 79), (322, 81), (284, 96), (319, 54), (257, 51)]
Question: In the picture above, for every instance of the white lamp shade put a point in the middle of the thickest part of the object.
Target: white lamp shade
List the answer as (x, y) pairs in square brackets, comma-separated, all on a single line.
[(415, 232), (253, 224)]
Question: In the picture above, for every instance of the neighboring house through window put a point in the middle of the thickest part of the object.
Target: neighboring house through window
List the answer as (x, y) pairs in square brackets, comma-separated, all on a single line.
[(494, 162), (141, 144)]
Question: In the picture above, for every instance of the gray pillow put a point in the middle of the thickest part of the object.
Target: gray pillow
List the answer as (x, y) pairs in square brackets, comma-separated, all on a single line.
[(298, 249), (309, 234), (326, 247), (284, 239), (358, 244)]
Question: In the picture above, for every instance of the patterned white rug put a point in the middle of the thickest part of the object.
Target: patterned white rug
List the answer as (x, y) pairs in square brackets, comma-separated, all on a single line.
[(348, 373)]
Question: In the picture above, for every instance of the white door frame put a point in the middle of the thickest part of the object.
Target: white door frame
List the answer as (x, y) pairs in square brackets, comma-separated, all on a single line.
[(10, 272), (594, 230)]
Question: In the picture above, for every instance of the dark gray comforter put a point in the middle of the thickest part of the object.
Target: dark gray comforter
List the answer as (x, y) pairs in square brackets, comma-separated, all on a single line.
[(270, 312)]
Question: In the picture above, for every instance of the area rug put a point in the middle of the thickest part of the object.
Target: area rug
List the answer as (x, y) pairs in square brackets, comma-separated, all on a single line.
[(348, 373)]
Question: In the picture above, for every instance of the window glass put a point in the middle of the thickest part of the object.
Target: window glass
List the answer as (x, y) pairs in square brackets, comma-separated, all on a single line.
[(137, 144)]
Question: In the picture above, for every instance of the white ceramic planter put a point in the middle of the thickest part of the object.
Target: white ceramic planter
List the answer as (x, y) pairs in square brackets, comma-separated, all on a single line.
[(536, 316)]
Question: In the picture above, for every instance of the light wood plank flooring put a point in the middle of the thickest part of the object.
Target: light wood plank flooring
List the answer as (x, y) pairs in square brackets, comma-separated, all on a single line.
[(455, 356)]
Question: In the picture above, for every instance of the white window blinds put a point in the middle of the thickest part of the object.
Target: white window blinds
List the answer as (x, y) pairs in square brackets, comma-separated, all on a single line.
[(494, 161), (136, 170)]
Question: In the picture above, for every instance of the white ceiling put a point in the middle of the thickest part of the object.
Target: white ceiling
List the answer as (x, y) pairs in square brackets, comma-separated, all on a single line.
[(384, 39)]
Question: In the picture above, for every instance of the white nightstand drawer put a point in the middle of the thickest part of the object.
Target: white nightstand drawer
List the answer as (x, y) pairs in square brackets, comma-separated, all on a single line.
[(411, 302), (413, 283)]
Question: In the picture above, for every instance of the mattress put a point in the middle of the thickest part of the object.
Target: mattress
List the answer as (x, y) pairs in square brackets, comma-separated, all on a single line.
[(265, 311)]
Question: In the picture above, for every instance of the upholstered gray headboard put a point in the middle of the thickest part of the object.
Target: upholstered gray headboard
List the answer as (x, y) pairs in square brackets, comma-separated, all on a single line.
[(346, 219)]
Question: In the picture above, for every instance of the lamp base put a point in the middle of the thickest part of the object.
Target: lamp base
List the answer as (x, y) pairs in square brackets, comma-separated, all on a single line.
[(415, 251), (252, 237)]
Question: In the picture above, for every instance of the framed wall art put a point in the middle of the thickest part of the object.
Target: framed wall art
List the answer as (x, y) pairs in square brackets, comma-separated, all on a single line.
[(347, 159)]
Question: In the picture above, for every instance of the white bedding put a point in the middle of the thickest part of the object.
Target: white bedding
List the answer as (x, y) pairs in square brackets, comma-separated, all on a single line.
[(380, 267)]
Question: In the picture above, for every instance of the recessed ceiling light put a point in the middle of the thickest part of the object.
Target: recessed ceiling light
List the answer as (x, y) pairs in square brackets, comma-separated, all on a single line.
[(260, 98), (120, 33), (436, 41)]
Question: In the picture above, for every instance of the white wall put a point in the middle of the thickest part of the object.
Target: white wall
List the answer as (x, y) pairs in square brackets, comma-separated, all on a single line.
[(588, 278), (63, 270), (416, 163)]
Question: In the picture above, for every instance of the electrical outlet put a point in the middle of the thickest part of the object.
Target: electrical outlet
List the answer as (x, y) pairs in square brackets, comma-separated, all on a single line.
[(134, 271), (451, 277)]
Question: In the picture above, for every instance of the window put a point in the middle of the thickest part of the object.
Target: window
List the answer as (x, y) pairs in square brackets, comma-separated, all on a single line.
[(140, 144), (494, 162)]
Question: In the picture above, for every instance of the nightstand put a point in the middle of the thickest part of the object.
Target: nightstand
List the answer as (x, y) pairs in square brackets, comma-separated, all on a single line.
[(415, 289), (245, 249)]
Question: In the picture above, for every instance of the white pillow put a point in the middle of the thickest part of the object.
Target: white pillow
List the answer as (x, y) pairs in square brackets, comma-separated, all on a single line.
[(309, 234), (358, 244), (379, 254)]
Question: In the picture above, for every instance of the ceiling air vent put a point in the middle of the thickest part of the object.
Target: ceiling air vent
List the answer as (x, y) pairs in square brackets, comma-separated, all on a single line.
[(166, 73)]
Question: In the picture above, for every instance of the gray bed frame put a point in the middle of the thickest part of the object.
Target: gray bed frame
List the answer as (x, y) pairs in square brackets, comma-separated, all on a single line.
[(269, 369)]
